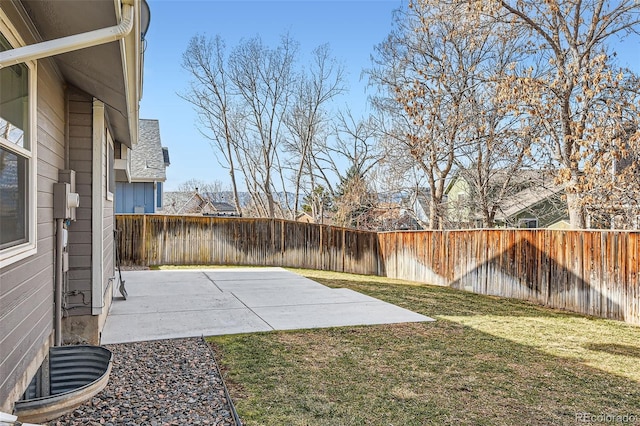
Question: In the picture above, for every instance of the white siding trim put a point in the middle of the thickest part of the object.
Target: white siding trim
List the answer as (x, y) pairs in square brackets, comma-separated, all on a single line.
[(155, 196), (97, 205), (109, 171)]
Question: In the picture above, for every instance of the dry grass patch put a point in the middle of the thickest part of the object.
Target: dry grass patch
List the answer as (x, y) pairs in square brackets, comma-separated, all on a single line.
[(485, 361)]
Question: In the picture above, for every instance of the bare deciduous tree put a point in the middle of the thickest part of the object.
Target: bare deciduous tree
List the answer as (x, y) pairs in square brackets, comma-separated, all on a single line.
[(433, 71), (356, 142), (211, 94), (574, 87), (213, 191), (264, 78), (308, 118)]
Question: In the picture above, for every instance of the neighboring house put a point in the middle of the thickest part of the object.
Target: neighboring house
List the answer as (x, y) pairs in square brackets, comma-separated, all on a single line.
[(325, 219), (142, 192), (390, 216), (459, 211), (416, 205), (534, 207), (223, 209), (186, 203), (529, 200), (305, 217), (194, 203), (66, 106)]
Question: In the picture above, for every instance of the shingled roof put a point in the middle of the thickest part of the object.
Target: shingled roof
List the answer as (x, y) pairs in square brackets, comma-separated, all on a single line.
[(148, 157), (527, 198)]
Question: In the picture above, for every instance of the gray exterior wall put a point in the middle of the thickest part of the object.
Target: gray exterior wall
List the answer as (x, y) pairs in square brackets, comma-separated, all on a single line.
[(26, 287), (84, 317), (80, 160)]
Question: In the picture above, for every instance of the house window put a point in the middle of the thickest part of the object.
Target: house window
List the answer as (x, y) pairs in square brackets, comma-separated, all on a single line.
[(17, 158), (529, 223)]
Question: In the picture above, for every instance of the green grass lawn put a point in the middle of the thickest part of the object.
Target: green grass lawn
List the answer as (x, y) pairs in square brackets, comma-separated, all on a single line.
[(485, 361)]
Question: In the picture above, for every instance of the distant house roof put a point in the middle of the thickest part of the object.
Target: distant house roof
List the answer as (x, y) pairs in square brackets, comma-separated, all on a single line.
[(148, 158), (527, 198), (223, 207), (522, 177), (305, 217), (190, 202)]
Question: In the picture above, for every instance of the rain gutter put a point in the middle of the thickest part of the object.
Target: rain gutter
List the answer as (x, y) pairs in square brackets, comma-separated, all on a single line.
[(70, 43)]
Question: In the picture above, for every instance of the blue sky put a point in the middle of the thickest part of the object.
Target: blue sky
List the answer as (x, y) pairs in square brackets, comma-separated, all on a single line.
[(351, 27)]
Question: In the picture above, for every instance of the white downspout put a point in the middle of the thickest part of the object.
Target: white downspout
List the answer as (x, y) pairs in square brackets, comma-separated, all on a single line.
[(70, 43)]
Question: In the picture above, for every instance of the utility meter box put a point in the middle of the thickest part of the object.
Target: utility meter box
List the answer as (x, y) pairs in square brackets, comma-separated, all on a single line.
[(68, 176), (65, 202)]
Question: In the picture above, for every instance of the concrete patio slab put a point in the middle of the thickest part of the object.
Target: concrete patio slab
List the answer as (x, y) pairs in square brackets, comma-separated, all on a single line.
[(156, 285), (179, 303), (335, 315), (179, 324), (191, 303), (302, 297)]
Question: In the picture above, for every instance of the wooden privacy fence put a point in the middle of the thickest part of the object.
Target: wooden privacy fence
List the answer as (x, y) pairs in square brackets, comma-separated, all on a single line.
[(589, 272), (201, 240)]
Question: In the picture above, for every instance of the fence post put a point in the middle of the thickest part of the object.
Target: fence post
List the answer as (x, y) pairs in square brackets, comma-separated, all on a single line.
[(321, 252), (144, 240), (282, 248), (344, 242)]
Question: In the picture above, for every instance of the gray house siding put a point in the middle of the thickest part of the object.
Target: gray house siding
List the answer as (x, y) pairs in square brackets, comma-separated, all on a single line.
[(55, 108), (26, 287), (26, 296), (80, 160), (86, 311)]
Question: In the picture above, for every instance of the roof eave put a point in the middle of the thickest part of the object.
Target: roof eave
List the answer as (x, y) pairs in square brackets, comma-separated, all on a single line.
[(110, 71)]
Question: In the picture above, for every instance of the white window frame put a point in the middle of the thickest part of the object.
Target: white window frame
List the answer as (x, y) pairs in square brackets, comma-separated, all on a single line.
[(18, 252)]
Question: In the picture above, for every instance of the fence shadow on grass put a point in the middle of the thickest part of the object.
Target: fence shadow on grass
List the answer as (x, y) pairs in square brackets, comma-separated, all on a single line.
[(615, 349), (419, 373)]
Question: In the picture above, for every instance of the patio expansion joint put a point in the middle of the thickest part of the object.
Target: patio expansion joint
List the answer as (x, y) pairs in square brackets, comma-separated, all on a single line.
[(212, 281), (252, 311)]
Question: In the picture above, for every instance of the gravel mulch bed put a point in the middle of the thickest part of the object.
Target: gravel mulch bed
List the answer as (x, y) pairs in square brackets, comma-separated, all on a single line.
[(134, 268), (163, 382)]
